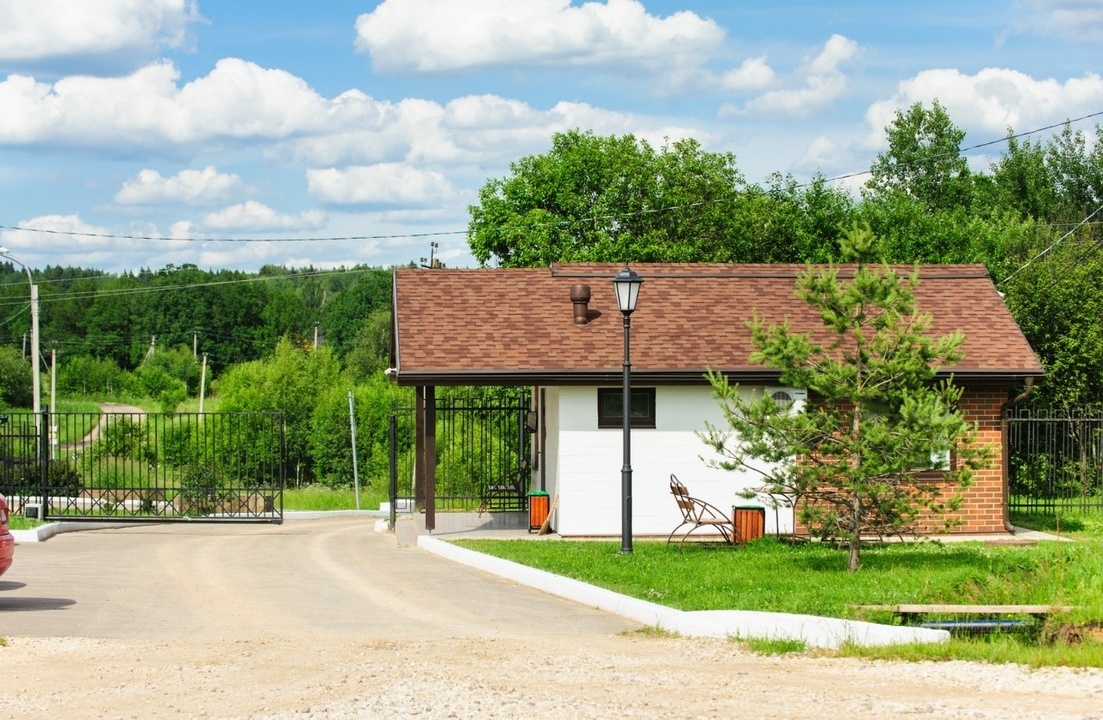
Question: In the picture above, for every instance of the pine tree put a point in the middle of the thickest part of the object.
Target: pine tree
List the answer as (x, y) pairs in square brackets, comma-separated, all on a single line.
[(858, 459)]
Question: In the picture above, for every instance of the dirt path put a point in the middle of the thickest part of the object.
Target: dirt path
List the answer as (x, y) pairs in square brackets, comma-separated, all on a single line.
[(328, 619), (106, 409)]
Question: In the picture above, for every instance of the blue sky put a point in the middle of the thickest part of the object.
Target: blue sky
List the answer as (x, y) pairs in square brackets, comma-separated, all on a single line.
[(233, 133)]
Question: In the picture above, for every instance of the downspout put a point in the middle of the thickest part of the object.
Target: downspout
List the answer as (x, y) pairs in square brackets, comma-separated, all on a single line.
[(1005, 455)]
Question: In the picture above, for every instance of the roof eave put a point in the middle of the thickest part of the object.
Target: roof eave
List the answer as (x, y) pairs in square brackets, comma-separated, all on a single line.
[(566, 378)]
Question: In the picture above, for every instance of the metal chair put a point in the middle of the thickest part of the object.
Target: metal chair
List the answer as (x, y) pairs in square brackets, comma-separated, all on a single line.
[(698, 514)]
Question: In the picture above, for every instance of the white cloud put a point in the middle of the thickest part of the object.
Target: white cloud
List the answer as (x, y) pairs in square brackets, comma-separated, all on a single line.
[(252, 216), (837, 51), (824, 83), (382, 184), (753, 74), (35, 30), (188, 187), (990, 101), (474, 130), (242, 103), (436, 35), (146, 110), (821, 152), (1070, 19), (183, 229)]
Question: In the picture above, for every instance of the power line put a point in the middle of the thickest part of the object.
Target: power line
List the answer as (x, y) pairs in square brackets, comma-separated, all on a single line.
[(166, 288), (1052, 245), (16, 315), (442, 233), (336, 238)]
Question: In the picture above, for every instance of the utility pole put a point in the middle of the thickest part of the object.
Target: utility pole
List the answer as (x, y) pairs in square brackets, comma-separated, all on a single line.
[(315, 336), (53, 402), (195, 344), (355, 469), (35, 360), (202, 383), (36, 367)]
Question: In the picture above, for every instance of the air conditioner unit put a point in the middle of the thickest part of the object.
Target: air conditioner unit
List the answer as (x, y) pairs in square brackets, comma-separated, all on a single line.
[(792, 399)]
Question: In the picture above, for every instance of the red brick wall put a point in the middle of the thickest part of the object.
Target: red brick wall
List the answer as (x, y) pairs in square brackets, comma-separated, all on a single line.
[(983, 506)]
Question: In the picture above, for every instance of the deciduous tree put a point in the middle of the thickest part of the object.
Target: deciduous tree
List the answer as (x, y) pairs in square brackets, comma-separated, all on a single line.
[(924, 159), (608, 198)]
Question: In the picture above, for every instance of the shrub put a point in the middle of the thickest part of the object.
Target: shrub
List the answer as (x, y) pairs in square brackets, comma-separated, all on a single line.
[(124, 438), (200, 490), (64, 479)]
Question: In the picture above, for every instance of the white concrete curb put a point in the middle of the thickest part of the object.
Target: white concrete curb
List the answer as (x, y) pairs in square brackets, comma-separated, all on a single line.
[(43, 533), (814, 631)]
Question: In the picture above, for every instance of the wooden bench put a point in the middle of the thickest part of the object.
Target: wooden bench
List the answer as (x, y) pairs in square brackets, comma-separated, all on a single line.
[(968, 618)]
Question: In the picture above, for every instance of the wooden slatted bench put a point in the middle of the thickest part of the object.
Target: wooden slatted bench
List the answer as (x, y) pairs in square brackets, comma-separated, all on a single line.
[(968, 618)]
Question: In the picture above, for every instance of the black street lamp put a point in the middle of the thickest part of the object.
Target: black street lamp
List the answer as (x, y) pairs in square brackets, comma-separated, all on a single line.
[(627, 284)]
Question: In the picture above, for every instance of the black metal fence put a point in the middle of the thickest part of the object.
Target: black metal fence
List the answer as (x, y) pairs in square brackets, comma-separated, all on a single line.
[(482, 450), (144, 467), (1056, 460)]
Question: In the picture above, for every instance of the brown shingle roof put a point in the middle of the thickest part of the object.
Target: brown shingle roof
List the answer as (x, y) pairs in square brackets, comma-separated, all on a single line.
[(515, 326)]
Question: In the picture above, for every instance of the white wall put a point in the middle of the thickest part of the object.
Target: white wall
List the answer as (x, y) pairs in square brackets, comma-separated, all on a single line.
[(584, 464)]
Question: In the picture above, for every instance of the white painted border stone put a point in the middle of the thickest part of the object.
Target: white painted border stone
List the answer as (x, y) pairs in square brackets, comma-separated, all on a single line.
[(814, 631)]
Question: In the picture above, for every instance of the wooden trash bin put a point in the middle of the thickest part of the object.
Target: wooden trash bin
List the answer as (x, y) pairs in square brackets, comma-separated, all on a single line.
[(749, 522), (538, 509)]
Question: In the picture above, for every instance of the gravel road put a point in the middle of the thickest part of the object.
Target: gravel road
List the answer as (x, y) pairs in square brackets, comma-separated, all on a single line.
[(328, 619)]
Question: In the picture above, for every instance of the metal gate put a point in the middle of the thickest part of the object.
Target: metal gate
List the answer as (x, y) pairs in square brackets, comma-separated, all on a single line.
[(483, 450), (124, 466), (1055, 460)]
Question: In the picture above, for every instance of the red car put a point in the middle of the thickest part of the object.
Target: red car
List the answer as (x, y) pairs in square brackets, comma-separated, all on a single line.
[(7, 542)]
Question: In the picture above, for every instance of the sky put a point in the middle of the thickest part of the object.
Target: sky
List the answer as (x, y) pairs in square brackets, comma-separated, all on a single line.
[(232, 134)]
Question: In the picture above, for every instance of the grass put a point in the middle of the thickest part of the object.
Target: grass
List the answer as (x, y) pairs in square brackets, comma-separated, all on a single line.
[(78, 406), (18, 522), (763, 646), (810, 578), (995, 649), (80, 417), (191, 405), (1071, 524), (320, 497)]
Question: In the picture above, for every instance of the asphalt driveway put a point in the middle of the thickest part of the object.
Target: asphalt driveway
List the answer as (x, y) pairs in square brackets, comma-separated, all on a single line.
[(312, 578), (328, 619)]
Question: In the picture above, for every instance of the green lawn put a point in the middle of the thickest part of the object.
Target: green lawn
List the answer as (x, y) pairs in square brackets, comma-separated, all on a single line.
[(811, 578)]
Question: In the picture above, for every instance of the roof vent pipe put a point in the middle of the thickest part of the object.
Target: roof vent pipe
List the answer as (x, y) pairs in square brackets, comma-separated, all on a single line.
[(580, 298)]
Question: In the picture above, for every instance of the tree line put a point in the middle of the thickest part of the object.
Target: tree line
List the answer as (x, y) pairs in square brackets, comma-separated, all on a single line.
[(176, 315)]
